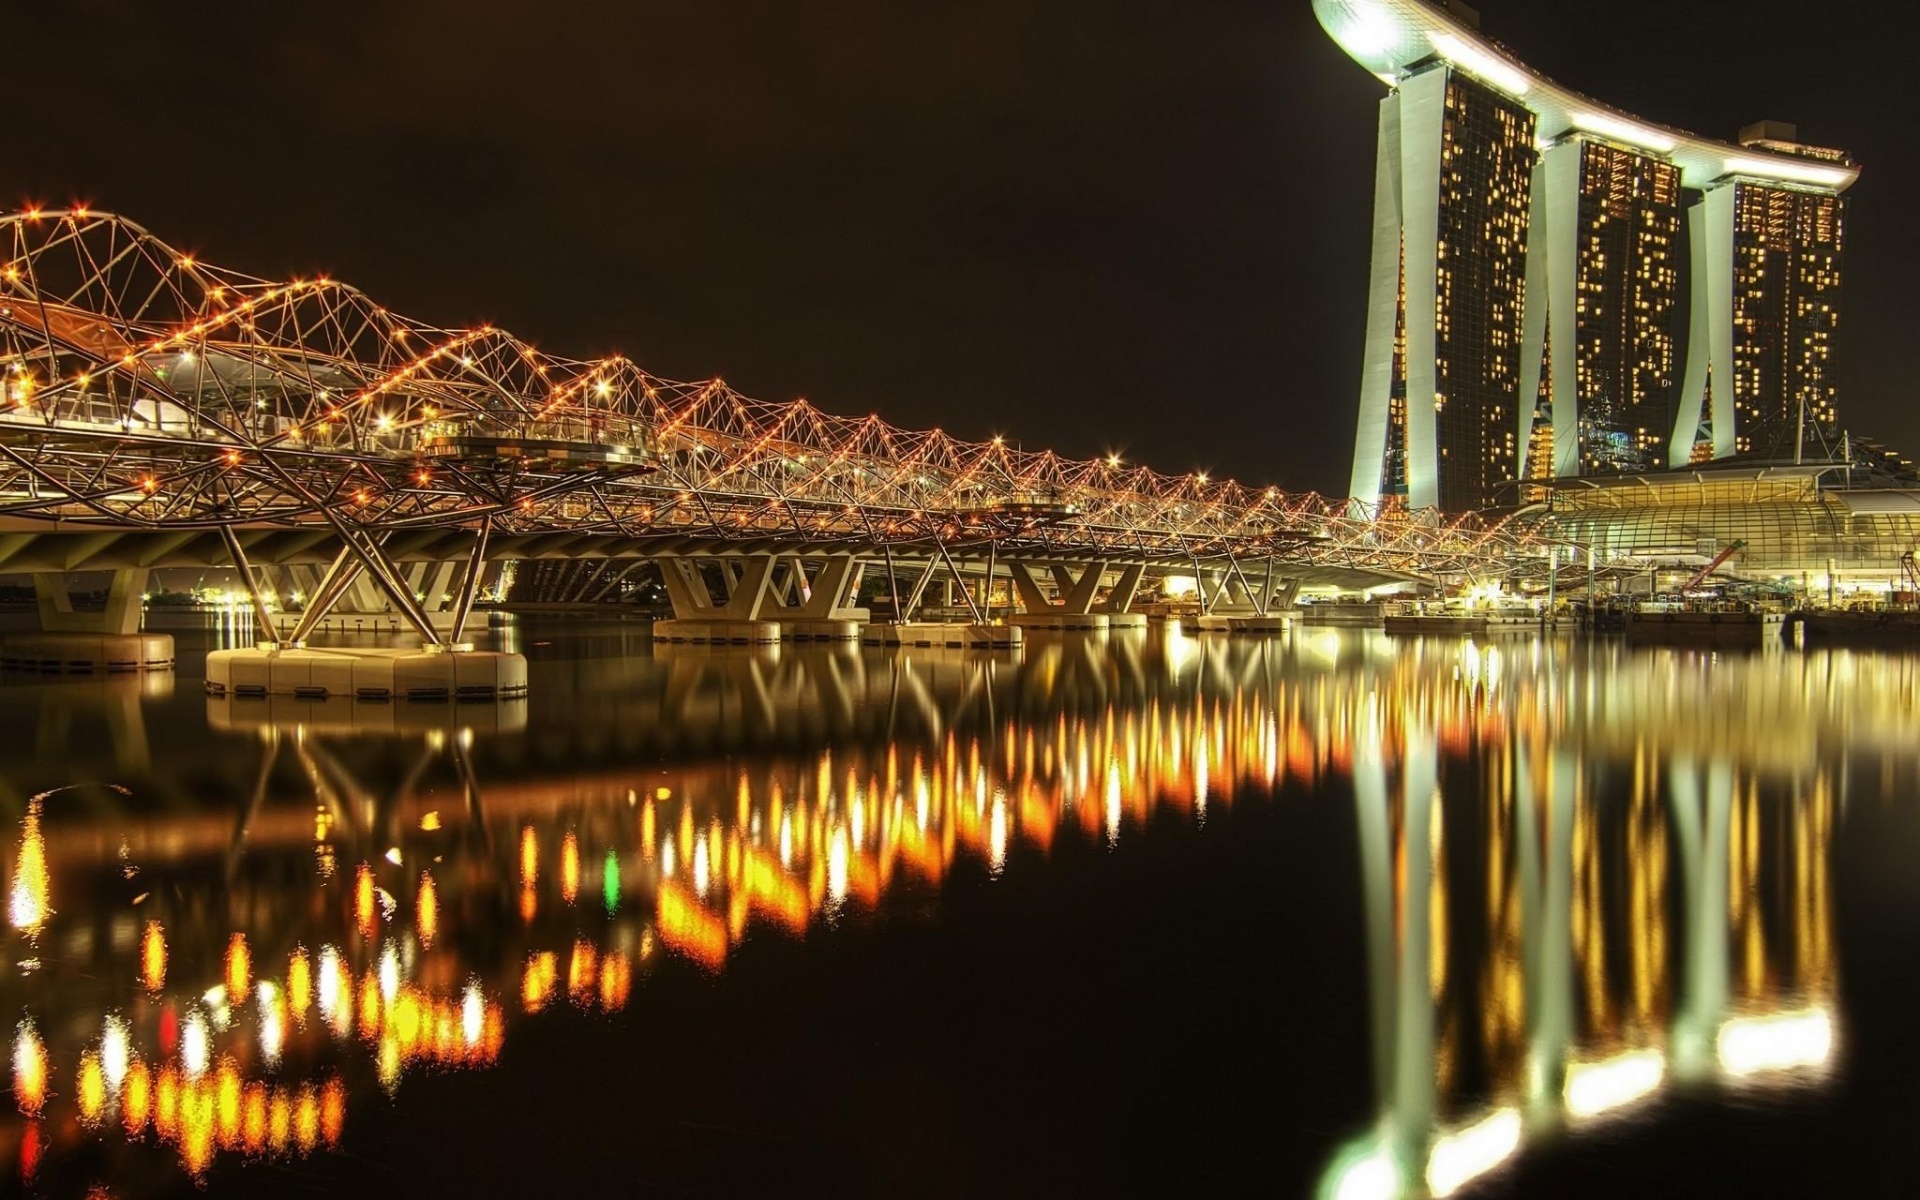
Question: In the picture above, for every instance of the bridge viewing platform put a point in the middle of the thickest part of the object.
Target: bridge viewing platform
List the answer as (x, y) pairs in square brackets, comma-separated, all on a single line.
[(160, 411)]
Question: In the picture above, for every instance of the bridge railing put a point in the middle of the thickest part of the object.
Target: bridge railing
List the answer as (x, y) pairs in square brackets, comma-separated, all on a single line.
[(237, 390)]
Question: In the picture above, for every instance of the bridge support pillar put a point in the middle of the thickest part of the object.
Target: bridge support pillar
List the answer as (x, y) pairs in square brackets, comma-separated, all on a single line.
[(699, 618), (1073, 611), (106, 640), (444, 669), (1119, 600), (818, 609), (1231, 602)]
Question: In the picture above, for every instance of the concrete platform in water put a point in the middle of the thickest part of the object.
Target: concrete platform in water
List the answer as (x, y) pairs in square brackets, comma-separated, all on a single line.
[(716, 632), (348, 716), (1060, 622), (367, 674), (1249, 624), (942, 634), (820, 631), (86, 653)]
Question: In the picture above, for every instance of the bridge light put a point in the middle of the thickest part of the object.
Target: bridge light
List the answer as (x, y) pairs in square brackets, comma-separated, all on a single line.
[(603, 387)]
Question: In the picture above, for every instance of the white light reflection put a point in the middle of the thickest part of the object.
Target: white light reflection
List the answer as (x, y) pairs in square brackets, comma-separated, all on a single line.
[(1593, 1088), (329, 989), (1374, 1177), (837, 856), (1113, 803), (114, 1052), (219, 1015), (389, 972), (1750, 1045), (997, 834), (1460, 1157), (472, 1013), (1200, 775), (272, 1029), (193, 1045)]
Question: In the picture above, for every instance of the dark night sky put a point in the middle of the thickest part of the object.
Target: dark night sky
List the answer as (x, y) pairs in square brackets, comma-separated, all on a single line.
[(1132, 224)]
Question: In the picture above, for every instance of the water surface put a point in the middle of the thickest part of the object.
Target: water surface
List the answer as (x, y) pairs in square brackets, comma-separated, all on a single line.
[(1330, 914)]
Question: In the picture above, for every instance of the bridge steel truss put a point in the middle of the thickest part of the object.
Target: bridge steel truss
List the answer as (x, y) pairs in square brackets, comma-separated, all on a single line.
[(147, 392)]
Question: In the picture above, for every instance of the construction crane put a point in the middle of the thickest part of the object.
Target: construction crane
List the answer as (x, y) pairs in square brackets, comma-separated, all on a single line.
[(1719, 560)]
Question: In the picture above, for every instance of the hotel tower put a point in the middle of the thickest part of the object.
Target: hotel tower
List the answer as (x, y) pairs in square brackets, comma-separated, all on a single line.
[(1526, 276)]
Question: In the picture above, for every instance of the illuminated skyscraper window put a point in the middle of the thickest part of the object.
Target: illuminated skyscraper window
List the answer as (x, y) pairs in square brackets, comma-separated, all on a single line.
[(1525, 276)]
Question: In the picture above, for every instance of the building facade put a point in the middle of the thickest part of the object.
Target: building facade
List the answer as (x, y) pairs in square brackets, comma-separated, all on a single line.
[(1526, 277), (1601, 284), (1445, 299), (1767, 264)]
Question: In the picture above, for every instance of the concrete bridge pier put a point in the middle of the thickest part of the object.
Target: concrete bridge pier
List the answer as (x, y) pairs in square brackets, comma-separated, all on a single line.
[(1080, 606), (917, 627), (700, 618), (443, 668), (1233, 602), (361, 607), (819, 609), (70, 641)]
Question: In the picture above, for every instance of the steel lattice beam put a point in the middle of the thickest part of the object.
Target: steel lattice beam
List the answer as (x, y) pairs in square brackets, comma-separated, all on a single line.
[(147, 390)]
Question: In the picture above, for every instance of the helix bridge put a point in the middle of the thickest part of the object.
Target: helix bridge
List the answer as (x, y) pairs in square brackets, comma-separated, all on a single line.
[(161, 410)]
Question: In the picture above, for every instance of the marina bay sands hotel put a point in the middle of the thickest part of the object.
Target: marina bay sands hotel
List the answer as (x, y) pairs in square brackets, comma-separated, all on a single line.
[(1525, 280)]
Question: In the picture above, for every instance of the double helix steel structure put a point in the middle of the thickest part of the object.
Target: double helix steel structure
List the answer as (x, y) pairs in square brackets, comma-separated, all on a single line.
[(148, 392)]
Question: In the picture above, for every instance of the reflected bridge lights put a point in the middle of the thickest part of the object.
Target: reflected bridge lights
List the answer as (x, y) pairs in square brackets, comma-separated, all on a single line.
[(1755, 1047), (1606, 1086), (1377, 1168)]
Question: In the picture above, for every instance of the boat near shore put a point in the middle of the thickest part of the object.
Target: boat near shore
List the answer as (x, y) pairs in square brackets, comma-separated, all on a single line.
[(1350, 614), (1878, 627), (1705, 623), (1455, 618)]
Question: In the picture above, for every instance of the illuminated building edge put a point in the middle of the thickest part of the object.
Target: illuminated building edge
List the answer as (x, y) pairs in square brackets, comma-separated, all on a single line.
[(1406, 41)]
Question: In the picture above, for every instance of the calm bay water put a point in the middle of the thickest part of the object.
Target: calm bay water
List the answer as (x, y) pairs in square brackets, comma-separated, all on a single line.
[(1325, 915)]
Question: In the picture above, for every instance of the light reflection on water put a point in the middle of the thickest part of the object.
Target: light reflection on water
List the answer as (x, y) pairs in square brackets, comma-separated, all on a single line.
[(1588, 877)]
